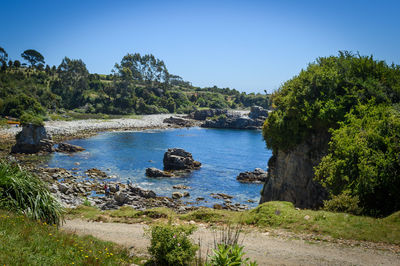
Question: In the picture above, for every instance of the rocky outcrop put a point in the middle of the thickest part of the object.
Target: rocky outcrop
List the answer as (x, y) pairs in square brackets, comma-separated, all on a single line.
[(259, 115), (154, 172), (179, 121), (234, 120), (291, 173), (179, 159), (32, 139), (257, 112), (204, 114), (95, 173), (257, 176), (231, 122), (69, 148)]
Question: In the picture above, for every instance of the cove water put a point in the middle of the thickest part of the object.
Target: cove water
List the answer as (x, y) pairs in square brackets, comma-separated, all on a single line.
[(224, 153)]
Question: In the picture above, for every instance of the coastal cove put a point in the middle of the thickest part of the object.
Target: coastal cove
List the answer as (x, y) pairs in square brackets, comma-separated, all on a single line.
[(224, 153)]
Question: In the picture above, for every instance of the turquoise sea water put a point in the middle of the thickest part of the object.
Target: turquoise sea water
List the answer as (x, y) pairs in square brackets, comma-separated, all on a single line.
[(223, 153)]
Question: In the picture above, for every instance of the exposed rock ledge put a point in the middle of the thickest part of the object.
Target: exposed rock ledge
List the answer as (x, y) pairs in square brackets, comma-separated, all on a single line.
[(236, 120), (291, 174), (257, 176)]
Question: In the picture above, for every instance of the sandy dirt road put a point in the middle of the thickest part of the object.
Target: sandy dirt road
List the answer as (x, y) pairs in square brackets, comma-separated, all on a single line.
[(265, 249)]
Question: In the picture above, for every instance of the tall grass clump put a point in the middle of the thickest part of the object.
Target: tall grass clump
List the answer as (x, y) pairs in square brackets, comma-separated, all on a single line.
[(227, 250), (24, 193)]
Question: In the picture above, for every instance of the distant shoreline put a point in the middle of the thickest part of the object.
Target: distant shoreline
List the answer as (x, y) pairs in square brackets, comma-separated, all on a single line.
[(62, 130)]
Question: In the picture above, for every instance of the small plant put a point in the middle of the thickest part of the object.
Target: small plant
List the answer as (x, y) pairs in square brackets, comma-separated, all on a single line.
[(343, 203), (87, 203), (229, 255), (228, 236), (170, 245), (226, 250)]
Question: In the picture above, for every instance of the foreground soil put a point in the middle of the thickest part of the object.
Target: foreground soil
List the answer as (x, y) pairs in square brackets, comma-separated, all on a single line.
[(265, 248)]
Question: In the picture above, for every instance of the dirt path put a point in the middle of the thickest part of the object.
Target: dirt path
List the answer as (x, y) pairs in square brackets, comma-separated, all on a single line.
[(265, 249)]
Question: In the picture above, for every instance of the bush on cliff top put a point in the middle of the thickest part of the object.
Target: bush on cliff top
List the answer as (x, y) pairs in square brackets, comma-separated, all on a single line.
[(320, 96)]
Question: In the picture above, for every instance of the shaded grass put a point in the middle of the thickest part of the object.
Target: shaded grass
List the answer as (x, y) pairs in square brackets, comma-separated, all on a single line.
[(275, 215), (27, 242)]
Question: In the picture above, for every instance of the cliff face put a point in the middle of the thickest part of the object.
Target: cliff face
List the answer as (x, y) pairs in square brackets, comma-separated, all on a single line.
[(290, 174)]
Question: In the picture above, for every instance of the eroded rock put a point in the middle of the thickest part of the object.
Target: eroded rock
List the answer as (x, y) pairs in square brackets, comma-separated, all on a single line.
[(179, 159), (154, 172), (65, 147), (257, 176), (32, 139)]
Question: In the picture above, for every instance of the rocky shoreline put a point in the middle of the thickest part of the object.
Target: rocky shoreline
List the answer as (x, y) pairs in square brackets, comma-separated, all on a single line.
[(74, 190)]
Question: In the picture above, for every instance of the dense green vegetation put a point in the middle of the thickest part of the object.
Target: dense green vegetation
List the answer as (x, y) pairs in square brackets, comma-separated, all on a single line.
[(24, 241), (23, 193), (171, 245), (354, 99), (139, 85)]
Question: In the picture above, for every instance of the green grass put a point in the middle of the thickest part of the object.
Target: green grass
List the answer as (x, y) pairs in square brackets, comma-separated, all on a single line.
[(27, 242), (269, 215)]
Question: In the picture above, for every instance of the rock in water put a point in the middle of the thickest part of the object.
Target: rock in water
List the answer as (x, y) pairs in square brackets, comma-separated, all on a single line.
[(257, 176), (291, 173), (154, 172), (32, 139), (65, 147), (179, 159)]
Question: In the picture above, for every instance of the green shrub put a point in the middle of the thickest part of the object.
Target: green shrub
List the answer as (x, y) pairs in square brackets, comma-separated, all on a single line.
[(343, 203), (27, 118), (21, 192), (170, 245), (364, 159), (226, 255)]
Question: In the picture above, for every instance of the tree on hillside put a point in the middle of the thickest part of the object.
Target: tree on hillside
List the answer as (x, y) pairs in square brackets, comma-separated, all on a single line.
[(33, 57), (143, 68), (3, 56), (73, 80)]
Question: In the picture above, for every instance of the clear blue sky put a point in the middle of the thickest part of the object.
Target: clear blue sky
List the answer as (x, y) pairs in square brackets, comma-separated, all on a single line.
[(247, 45)]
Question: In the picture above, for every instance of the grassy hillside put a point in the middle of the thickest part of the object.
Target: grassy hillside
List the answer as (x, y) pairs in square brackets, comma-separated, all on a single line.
[(40, 91)]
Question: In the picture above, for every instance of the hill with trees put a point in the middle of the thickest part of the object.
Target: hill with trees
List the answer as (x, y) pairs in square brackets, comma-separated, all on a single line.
[(139, 84)]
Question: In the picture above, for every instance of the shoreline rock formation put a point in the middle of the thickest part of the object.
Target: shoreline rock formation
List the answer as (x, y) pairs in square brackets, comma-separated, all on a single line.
[(32, 139), (257, 176), (291, 173), (235, 120)]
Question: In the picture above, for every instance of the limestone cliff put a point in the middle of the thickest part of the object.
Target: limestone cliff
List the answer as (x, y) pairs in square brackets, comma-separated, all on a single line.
[(290, 174)]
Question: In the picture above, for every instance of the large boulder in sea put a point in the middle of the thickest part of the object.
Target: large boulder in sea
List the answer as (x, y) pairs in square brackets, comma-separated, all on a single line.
[(32, 139), (179, 159)]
